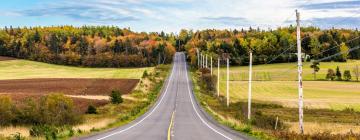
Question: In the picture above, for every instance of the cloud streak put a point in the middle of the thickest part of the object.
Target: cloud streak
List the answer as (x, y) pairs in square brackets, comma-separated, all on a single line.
[(342, 22), (332, 5), (172, 15)]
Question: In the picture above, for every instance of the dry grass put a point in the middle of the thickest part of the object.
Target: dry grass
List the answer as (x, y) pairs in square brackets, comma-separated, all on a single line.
[(9, 130), (101, 97), (315, 127), (94, 124)]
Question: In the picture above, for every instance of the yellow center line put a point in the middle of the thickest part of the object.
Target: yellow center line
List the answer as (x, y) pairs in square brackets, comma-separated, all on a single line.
[(170, 126)]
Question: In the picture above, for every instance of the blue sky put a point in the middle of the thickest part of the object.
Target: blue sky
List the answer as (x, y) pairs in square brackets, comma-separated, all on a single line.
[(173, 15)]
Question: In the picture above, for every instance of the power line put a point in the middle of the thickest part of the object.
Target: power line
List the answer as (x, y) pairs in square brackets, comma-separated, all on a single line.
[(336, 46)]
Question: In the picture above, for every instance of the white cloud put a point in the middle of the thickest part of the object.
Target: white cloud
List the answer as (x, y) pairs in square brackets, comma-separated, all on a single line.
[(172, 15)]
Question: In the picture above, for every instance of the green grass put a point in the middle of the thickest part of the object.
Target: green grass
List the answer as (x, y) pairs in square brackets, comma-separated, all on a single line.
[(337, 121), (285, 71), (24, 69), (284, 90)]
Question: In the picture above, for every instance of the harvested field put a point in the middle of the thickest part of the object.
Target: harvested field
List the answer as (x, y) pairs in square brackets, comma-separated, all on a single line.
[(67, 86), (4, 58)]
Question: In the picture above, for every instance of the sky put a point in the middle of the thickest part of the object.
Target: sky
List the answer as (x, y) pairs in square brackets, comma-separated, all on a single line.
[(174, 15)]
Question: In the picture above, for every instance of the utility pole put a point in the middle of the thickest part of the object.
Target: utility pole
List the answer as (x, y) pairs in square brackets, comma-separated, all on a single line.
[(301, 103), (206, 61), (211, 71), (250, 82), (202, 60), (198, 58), (227, 81), (218, 78)]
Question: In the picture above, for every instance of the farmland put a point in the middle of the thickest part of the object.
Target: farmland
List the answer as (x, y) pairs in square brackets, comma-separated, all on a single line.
[(22, 80), (276, 83), (24, 69), (285, 71)]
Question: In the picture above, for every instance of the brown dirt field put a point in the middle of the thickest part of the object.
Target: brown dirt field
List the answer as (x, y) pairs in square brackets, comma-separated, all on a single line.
[(67, 86), (20, 90), (4, 58)]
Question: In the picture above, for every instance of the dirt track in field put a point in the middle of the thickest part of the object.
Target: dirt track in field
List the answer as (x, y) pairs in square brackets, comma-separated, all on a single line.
[(4, 58), (67, 86)]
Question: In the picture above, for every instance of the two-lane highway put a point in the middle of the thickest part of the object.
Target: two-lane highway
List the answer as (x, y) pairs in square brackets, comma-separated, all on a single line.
[(175, 115)]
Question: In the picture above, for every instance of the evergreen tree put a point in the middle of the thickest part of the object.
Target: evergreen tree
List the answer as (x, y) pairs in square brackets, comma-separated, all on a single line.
[(338, 74)]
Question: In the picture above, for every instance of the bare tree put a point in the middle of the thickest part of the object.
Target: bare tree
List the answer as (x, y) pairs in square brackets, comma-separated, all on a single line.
[(356, 72)]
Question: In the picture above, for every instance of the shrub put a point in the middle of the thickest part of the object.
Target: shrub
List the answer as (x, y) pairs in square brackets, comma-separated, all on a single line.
[(57, 109), (330, 75), (30, 112), (145, 74), (7, 110), (347, 75), (50, 132), (91, 110), (209, 81), (115, 97)]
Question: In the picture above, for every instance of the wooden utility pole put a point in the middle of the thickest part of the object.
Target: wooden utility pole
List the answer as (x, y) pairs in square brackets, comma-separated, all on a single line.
[(250, 82), (198, 58), (211, 70), (227, 82), (218, 78), (301, 103), (202, 60), (206, 61)]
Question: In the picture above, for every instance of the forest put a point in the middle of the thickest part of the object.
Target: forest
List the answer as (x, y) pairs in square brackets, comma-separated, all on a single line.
[(109, 46), (273, 46), (89, 46)]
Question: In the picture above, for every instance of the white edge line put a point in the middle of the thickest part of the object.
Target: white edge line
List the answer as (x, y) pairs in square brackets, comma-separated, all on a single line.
[(192, 102), (165, 93)]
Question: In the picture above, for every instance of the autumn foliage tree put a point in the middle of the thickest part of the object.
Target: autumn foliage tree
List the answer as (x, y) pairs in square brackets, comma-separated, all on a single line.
[(92, 46)]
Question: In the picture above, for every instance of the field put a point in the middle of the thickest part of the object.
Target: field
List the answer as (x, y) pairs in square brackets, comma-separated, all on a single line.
[(24, 69), (23, 79), (285, 71), (67, 86), (279, 85)]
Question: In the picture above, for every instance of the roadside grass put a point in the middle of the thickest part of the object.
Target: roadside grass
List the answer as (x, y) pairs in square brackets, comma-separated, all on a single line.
[(219, 112), (25, 69), (319, 123), (284, 71)]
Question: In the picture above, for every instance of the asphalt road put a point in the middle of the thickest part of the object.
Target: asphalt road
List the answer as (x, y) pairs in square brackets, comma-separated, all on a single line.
[(176, 115)]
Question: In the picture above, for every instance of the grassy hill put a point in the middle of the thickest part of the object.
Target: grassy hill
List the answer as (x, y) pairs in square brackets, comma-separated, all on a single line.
[(24, 69)]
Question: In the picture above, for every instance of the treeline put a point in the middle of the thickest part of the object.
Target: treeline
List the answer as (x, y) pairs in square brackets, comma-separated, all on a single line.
[(273, 46), (93, 46)]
